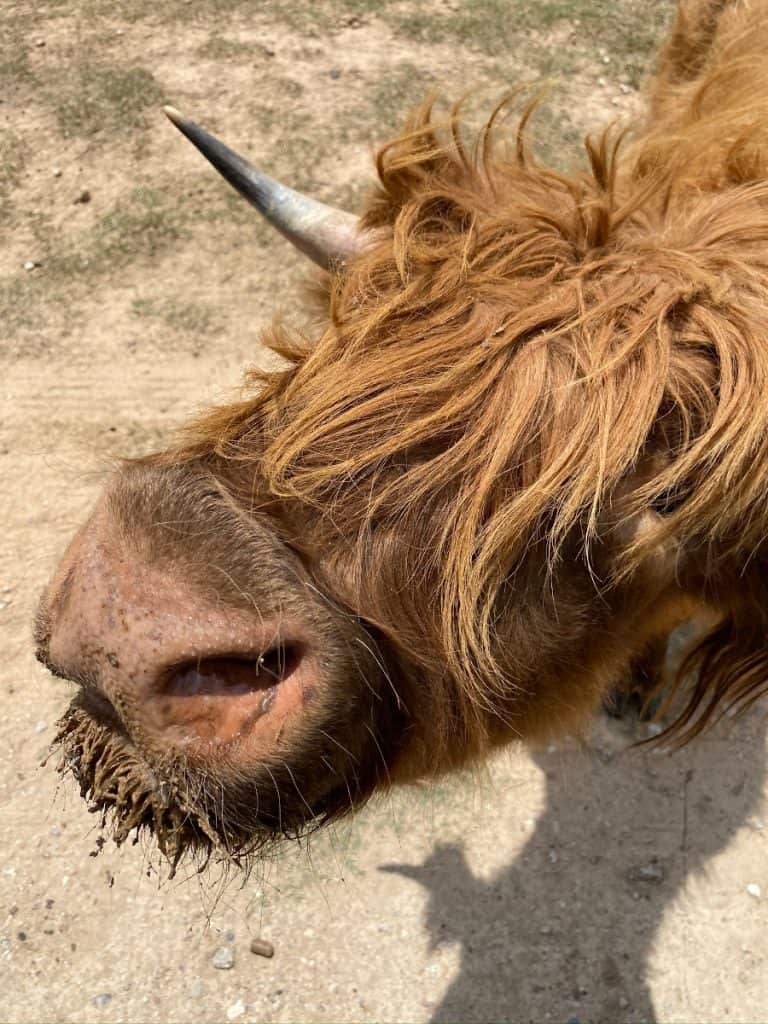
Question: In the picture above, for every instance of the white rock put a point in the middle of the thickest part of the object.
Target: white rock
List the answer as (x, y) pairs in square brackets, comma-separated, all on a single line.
[(29, 264), (57, 172), (41, 726), (236, 1010), (754, 890), (223, 959)]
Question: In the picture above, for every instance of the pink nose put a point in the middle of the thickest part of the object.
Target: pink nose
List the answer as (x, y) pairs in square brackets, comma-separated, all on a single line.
[(88, 622), (151, 647), (54, 646)]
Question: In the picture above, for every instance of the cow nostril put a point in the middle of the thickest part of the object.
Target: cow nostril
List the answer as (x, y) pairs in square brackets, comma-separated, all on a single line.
[(232, 675), (220, 699)]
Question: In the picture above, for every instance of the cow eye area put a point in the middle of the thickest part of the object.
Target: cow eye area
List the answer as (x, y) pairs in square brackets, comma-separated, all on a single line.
[(233, 675)]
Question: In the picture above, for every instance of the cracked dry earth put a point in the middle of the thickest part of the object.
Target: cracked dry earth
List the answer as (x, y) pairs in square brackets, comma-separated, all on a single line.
[(590, 883)]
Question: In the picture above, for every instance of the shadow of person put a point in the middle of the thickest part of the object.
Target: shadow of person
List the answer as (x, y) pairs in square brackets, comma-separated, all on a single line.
[(565, 933)]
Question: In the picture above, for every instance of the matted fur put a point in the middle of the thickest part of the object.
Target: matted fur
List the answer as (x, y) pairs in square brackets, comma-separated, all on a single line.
[(522, 361)]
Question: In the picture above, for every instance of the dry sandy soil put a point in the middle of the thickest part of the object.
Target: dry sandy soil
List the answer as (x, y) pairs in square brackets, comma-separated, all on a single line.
[(590, 883)]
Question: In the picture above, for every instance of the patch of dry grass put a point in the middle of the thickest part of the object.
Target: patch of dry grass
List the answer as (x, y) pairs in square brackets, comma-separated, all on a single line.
[(140, 227), (627, 31), (13, 155), (194, 318), (94, 98), (224, 48)]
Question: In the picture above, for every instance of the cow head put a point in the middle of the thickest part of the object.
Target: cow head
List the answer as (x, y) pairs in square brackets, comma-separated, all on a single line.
[(238, 679), (348, 578)]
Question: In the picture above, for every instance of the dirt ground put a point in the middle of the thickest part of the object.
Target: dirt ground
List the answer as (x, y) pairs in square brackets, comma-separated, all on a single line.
[(586, 883)]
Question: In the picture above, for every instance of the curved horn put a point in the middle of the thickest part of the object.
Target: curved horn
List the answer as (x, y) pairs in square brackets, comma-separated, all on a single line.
[(328, 236)]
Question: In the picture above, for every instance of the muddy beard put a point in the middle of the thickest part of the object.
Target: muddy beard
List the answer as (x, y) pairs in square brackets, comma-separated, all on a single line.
[(191, 815)]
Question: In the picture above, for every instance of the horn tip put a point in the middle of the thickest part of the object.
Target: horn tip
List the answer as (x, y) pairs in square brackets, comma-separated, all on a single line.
[(175, 116)]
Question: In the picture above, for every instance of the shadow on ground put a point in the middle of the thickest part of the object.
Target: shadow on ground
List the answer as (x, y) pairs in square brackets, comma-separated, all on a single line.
[(622, 833)]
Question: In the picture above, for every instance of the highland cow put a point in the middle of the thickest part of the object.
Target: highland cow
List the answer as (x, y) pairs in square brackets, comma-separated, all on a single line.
[(530, 439)]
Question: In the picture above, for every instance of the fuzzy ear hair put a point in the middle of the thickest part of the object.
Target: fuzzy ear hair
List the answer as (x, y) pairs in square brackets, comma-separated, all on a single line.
[(632, 539)]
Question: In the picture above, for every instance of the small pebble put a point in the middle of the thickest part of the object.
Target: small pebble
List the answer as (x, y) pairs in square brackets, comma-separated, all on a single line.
[(754, 890), (31, 264), (197, 989), (223, 959), (236, 1010), (230, 936), (623, 1002), (625, 89), (606, 59), (57, 172), (652, 872), (39, 42), (262, 948), (83, 197), (103, 999), (335, 73), (41, 726)]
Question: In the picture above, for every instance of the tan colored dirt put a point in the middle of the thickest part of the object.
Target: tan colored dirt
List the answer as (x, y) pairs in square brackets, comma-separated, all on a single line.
[(591, 885)]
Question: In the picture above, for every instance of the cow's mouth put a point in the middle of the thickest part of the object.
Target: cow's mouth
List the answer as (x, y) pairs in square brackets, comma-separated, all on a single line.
[(126, 792)]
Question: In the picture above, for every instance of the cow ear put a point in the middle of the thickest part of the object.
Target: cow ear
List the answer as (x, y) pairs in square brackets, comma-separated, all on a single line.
[(327, 235)]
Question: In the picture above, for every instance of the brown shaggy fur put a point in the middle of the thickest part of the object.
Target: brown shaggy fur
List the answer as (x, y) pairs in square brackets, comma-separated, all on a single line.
[(541, 400)]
